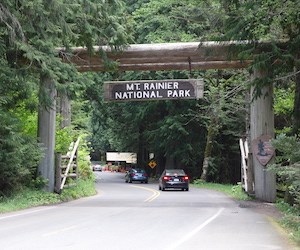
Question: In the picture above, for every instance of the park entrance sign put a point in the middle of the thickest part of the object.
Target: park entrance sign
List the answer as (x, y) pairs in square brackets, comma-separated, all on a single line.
[(157, 57), (153, 90)]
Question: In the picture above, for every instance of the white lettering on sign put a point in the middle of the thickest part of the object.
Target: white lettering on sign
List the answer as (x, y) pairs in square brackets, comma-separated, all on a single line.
[(133, 86), (137, 95), (178, 93), (160, 85)]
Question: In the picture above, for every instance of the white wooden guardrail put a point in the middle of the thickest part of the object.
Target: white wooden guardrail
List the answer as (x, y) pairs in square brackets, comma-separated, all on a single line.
[(72, 155), (247, 174)]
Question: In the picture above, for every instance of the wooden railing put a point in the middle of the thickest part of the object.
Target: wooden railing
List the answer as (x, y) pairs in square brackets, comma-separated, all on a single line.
[(66, 167)]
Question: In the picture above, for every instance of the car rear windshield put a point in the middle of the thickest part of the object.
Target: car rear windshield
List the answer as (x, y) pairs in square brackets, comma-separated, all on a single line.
[(175, 172), (139, 170)]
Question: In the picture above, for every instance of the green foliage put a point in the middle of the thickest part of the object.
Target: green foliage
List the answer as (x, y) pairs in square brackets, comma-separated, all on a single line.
[(223, 114), (27, 198), (101, 23), (275, 26), (288, 166), (19, 151), (83, 188), (172, 20), (39, 183), (33, 30), (213, 170), (290, 220), (263, 19), (64, 137), (19, 155), (84, 163), (283, 109), (28, 120)]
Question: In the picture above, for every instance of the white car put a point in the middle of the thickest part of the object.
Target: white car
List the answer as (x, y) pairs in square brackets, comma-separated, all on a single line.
[(97, 167)]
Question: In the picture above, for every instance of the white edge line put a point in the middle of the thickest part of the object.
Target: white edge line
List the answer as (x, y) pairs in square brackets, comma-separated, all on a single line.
[(196, 230), (60, 231), (25, 213)]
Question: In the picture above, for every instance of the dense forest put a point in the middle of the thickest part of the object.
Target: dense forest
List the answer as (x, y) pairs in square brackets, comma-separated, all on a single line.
[(181, 133)]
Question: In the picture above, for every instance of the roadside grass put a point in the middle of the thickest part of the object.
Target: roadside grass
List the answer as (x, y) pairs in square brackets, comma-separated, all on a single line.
[(32, 197), (290, 220), (234, 191)]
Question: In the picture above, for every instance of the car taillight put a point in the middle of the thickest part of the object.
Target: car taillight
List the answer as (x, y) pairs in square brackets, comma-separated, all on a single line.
[(166, 178), (145, 174), (185, 178), (132, 175)]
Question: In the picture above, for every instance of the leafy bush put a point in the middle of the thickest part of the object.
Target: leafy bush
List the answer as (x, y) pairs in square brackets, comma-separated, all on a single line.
[(83, 188), (287, 166), (84, 163), (19, 155), (63, 138)]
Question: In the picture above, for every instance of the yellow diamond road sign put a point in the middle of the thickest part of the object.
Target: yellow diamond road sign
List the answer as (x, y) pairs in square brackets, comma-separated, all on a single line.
[(152, 164)]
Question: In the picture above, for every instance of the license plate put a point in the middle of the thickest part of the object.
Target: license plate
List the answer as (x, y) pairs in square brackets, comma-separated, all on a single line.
[(176, 179)]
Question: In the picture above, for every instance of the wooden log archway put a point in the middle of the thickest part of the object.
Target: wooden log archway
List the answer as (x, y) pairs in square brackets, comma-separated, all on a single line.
[(179, 56)]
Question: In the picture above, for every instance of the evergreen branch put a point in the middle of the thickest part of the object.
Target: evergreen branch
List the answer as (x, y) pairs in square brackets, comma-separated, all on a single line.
[(287, 76), (12, 23)]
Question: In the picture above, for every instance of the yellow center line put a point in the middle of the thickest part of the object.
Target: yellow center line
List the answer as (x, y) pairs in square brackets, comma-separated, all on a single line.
[(154, 195)]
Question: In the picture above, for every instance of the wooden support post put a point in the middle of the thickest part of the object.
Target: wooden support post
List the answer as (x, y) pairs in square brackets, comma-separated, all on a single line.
[(250, 174), (57, 173), (64, 109), (262, 123), (46, 129)]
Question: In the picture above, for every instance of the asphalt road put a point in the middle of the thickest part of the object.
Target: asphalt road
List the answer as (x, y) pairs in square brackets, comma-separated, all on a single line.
[(134, 216)]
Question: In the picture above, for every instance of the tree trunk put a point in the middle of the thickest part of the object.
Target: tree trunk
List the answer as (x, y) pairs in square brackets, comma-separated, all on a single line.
[(208, 149), (64, 109), (204, 169), (170, 163), (262, 123), (143, 154), (46, 130), (161, 162)]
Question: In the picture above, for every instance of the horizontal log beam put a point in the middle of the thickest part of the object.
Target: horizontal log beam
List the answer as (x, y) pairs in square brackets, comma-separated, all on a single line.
[(169, 66), (164, 56), (123, 60), (190, 48)]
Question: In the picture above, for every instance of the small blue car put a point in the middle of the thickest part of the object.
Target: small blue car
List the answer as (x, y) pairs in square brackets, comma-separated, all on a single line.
[(136, 174)]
